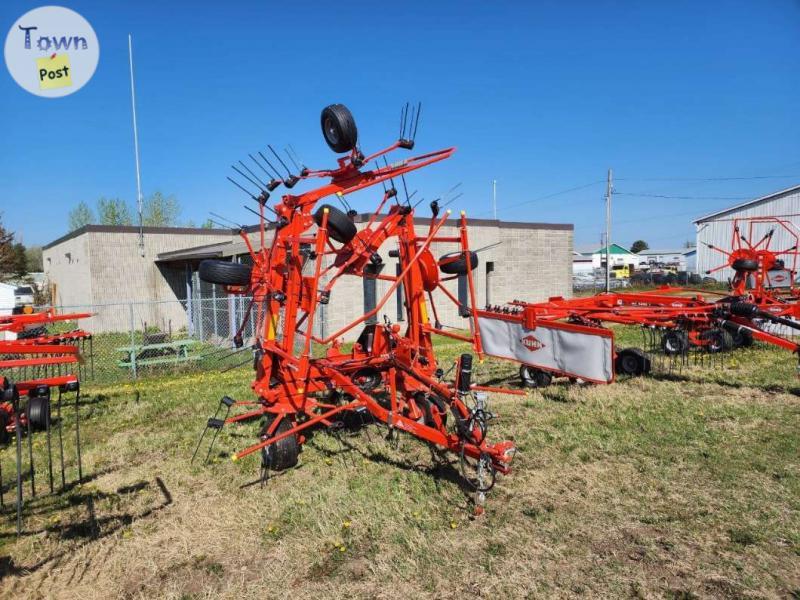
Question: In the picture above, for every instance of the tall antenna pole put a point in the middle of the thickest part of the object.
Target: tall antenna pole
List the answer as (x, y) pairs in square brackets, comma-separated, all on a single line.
[(609, 191), (494, 198), (139, 201)]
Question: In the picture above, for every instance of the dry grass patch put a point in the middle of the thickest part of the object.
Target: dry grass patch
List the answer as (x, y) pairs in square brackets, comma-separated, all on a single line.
[(681, 486)]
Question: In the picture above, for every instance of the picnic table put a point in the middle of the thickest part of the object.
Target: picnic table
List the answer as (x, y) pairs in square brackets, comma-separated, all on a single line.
[(141, 355)]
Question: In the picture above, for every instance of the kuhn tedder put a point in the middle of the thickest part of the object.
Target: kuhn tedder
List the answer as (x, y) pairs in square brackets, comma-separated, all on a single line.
[(32, 362), (390, 373), (762, 296)]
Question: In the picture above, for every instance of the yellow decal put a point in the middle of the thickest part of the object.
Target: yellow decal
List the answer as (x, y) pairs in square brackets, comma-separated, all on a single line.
[(54, 71)]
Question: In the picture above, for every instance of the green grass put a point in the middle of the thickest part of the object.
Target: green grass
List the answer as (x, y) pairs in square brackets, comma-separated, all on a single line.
[(685, 484)]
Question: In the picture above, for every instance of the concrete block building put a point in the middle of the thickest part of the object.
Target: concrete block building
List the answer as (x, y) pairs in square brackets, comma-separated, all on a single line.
[(98, 265)]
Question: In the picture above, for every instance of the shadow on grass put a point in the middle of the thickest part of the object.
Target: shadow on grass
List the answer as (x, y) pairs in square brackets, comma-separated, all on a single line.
[(768, 387), (89, 529)]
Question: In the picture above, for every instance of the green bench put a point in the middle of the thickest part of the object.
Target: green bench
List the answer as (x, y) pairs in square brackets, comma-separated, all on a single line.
[(157, 354)]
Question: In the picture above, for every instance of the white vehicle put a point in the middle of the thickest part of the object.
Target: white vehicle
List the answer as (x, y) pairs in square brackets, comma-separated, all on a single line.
[(23, 296)]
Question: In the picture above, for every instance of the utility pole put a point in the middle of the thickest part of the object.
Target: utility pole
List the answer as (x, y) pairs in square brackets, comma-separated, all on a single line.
[(609, 191), (139, 201), (494, 198)]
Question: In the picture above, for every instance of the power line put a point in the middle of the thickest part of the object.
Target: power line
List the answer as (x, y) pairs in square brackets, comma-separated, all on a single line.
[(646, 195), (548, 196), (707, 178)]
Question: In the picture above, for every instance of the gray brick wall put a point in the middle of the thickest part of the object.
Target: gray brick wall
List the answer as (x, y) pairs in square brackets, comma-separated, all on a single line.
[(532, 262)]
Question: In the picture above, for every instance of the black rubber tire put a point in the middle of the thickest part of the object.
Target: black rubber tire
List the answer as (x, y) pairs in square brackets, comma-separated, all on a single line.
[(38, 412), (718, 341), (532, 377), (451, 265), (223, 272), (367, 379), (675, 342), (742, 339), (5, 436), (282, 454), (427, 406), (632, 362), (744, 264), (339, 128), (340, 227)]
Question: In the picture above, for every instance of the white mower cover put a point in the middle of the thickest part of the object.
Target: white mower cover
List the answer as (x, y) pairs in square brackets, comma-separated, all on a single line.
[(551, 346)]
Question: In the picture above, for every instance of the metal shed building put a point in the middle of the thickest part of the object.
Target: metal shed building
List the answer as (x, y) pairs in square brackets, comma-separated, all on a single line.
[(716, 229)]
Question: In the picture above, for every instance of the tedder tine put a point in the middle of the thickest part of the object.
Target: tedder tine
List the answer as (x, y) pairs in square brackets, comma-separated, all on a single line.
[(78, 433), (32, 470), (49, 448), (60, 440), (18, 434), (216, 424)]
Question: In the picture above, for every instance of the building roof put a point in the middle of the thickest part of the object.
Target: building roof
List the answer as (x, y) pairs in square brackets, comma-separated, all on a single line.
[(684, 251), (198, 252), (591, 249), (748, 204), (135, 229)]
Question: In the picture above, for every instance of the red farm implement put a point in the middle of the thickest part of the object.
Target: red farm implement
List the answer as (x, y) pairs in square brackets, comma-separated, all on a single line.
[(761, 302), (32, 363), (391, 373)]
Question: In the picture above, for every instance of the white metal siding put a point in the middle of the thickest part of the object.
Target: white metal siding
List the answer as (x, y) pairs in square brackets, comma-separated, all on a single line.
[(718, 231)]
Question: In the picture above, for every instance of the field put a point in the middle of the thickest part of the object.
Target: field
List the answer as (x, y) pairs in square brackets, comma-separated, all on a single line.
[(680, 485)]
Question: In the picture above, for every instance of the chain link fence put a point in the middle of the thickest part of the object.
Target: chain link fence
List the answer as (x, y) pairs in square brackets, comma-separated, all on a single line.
[(135, 340)]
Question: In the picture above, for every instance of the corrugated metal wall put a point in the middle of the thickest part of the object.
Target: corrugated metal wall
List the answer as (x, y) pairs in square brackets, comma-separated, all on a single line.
[(718, 231)]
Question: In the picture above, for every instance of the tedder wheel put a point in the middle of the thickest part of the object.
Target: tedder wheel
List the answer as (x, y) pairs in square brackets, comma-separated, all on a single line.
[(283, 453), (742, 339), (745, 264), (674, 342), (633, 362), (339, 128), (716, 340), (455, 263), (224, 272), (39, 412), (534, 378), (367, 379), (428, 405), (340, 227)]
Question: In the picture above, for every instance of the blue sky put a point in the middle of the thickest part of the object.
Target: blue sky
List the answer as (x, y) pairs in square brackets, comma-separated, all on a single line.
[(542, 96)]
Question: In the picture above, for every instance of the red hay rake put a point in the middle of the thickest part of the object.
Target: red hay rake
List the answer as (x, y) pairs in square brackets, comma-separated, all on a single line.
[(390, 373), (762, 294), (32, 362)]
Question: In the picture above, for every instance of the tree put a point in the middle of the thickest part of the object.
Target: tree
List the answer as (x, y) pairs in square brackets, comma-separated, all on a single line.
[(20, 268), (160, 211), (6, 252), (208, 224), (33, 257), (113, 211), (80, 215), (638, 246)]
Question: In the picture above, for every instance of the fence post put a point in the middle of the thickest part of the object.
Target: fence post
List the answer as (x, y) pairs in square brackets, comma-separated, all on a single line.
[(233, 314), (189, 307), (214, 308), (133, 341)]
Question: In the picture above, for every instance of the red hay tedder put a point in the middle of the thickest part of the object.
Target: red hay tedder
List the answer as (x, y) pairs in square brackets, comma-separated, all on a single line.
[(32, 362), (390, 372)]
